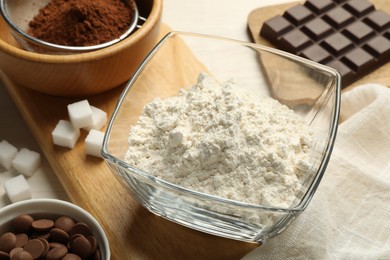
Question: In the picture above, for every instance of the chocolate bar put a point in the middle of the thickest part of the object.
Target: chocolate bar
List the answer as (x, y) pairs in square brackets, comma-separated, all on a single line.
[(352, 36)]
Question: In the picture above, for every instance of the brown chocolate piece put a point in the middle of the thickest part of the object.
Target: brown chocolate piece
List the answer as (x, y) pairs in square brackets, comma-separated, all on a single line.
[(81, 246), (80, 228), (22, 255), (21, 239), (46, 246), (43, 225), (35, 247), (57, 253), (350, 36), (65, 223), (58, 235), (71, 256), (22, 223), (7, 242), (15, 251), (97, 255), (94, 244)]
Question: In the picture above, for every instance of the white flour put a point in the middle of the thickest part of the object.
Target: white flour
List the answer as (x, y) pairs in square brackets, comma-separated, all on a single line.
[(214, 140)]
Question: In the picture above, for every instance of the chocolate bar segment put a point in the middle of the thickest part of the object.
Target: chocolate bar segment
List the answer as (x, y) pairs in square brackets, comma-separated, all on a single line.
[(298, 14), (317, 53), (378, 20), (379, 47), (277, 26), (317, 29), (351, 36), (358, 60), (295, 40), (319, 6), (338, 17), (359, 7), (359, 32), (337, 44)]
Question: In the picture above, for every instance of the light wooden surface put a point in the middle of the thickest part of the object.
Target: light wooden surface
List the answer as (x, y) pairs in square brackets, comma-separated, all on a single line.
[(259, 15), (133, 232)]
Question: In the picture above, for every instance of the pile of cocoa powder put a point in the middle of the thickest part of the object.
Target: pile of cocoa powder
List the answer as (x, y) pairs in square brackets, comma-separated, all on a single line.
[(82, 22)]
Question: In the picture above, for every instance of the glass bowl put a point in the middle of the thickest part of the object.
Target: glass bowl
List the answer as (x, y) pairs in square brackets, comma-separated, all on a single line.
[(310, 89)]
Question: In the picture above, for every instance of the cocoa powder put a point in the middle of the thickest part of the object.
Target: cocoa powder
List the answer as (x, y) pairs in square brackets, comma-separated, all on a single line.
[(82, 22)]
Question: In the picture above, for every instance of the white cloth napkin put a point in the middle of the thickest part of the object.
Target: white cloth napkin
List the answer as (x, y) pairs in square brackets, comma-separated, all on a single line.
[(349, 216)]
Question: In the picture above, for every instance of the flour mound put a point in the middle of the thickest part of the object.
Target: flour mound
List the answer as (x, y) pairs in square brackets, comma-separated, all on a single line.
[(215, 140)]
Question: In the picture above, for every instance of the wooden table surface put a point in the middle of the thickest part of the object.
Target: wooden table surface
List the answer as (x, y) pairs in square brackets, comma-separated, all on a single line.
[(133, 232)]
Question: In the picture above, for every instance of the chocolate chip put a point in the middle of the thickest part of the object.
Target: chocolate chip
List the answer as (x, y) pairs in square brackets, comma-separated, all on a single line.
[(65, 223), (80, 228), (71, 256), (94, 243), (43, 225), (97, 255), (56, 253), (22, 223), (22, 255), (45, 245), (21, 239), (35, 247), (14, 251), (7, 242), (54, 244), (59, 235), (81, 246)]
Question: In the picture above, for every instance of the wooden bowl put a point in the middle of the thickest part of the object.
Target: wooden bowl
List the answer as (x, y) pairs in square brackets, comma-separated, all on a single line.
[(81, 74)]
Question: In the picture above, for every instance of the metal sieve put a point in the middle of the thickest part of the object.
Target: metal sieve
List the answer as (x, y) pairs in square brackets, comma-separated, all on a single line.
[(18, 14)]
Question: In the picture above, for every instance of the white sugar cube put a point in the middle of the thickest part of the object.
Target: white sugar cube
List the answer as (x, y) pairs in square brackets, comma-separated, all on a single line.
[(99, 119), (17, 189), (94, 142), (80, 114), (65, 134), (26, 162), (7, 154)]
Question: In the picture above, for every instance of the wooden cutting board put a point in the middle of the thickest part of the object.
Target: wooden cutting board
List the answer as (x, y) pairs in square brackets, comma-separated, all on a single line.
[(257, 17), (133, 232)]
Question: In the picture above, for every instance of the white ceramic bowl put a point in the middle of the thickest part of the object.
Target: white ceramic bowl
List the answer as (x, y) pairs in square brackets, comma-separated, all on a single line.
[(52, 208)]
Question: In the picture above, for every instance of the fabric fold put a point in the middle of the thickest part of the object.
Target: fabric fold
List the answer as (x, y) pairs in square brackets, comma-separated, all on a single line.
[(349, 216)]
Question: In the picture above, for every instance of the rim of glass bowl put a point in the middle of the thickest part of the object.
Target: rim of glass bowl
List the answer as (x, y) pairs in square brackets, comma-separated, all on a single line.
[(63, 48), (323, 165)]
